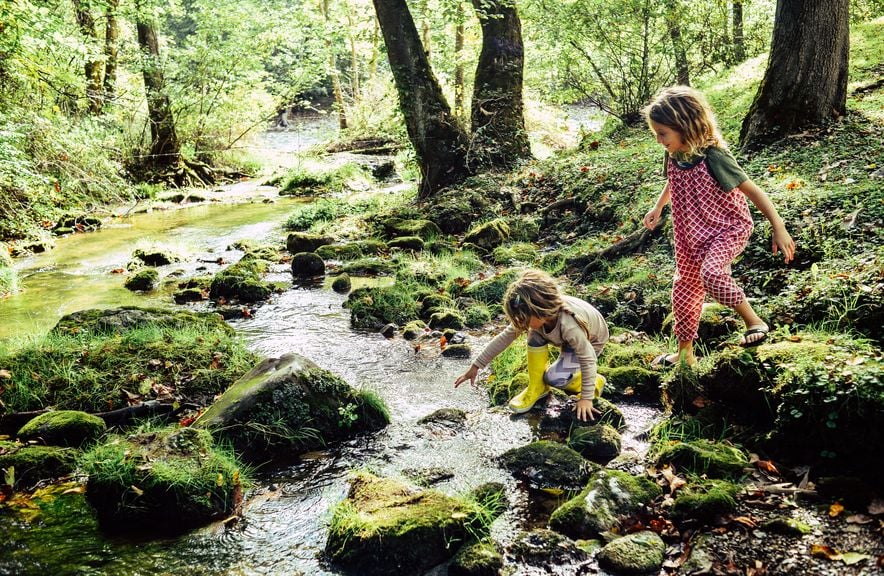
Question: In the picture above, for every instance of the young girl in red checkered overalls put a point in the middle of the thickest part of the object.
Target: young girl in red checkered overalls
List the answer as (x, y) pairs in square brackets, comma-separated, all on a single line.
[(710, 216)]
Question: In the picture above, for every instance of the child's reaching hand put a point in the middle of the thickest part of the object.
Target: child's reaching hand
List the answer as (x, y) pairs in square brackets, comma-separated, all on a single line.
[(585, 409), (470, 375), (783, 242)]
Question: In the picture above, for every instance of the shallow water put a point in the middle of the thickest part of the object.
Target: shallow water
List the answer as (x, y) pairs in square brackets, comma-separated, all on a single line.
[(283, 528)]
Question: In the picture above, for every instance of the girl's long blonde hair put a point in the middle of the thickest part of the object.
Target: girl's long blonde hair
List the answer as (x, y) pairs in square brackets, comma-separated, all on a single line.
[(686, 111), (535, 293)]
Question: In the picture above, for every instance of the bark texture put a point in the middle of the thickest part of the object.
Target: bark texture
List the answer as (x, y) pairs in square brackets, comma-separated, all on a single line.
[(737, 23), (806, 79), (93, 69), (165, 150), (111, 38), (498, 124), (440, 143)]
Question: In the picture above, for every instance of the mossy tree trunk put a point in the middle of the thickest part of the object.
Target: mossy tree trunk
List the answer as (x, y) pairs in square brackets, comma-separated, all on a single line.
[(673, 23), (737, 25), (439, 141), (111, 37), (458, 61), (93, 68), (165, 149), (497, 119), (806, 79), (332, 69)]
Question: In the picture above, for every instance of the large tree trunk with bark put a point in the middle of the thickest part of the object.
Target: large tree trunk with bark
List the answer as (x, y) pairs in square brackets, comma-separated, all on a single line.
[(440, 143), (499, 138), (673, 23), (165, 150), (737, 24), (111, 36), (458, 62), (806, 79), (93, 68)]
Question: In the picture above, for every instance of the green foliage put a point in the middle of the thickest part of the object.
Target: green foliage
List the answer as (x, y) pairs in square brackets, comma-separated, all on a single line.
[(311, 181)]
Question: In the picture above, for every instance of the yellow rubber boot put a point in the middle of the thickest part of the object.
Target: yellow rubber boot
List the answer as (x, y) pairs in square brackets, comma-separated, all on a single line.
[(537, 388), (576, 385)]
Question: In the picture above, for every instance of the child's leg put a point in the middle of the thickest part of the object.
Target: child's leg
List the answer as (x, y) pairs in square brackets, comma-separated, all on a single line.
[(688, 293), (563, 370)]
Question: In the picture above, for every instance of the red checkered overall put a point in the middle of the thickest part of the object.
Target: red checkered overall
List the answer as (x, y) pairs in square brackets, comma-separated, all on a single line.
[(711, 228)]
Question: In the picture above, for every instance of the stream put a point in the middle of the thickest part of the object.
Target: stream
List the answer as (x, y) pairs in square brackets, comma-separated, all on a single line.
[(283, 527)]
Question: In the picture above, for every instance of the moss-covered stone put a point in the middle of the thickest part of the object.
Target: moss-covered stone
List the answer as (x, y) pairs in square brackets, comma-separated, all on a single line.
[(155, 257), (559, 417), (490, 290), (447, 416), (785, 525), (714, 459), (383, 527), (549, 551), (30, 464), (63, 428), (476, 559), (423, 229), (705, 500), (545, 464), (446, 319), (342, 283), (477, 315), (368, 267), (457, 351), (517, 252), (297, 242), (241, 281), (125, 318), (609, 498), (636, 553), (307, 265), (413, 243), (414, 329), (373, 307), (600, 443), (350, 251), (633, 381), (289, 404), (488, 235), (167, 480), (434, 302), (144, 280)]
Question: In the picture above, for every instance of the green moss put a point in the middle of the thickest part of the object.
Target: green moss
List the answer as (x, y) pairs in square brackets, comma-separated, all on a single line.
[(368, 267), (704, 457), (241, 281), (599, 443), (784, 525), (413, 243), (477, 559), (518, 252), (704, 501), (548, 464), (350, 251), (490, 290), (373, 307), (414, 329), (144, 280), (478, 315), (31, 464), (636, 553), (63, 428)]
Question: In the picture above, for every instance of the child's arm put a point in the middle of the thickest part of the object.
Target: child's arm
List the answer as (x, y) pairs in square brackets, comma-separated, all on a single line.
[(652, 218), (782, 241), (495, 347)]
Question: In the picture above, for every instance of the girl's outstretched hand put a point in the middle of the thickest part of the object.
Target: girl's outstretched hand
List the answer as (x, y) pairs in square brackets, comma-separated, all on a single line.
[(585, 409), (470, 375), (652, 218), (783, 242)]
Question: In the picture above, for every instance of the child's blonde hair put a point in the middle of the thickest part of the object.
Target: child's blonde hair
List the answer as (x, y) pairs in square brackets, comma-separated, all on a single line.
[(535, 294), (686, 111)]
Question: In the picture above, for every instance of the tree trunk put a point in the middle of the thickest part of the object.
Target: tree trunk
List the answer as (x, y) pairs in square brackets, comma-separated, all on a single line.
[(459, 87), (165, 150), (806, 79), (111, 35), (673, 22), (332, 70), (439, 141), (93, 69), (737, 21), (498, 123)]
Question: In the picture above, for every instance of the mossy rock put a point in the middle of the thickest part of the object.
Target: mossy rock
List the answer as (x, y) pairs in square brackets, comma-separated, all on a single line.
[(446, 416), (434, 302), (548, 465), (456, 209), (490, 290), (476, 559), (288, 405), (124, 318), (517, 252), (32, 464), (185, 295), (414, 329), (297, 242), (705, 500), (372, 246), (457, 351), (385, 528), (413, 243), (369, 267), (524, 228), (636, 553), (786, 525), (423, 229), (633, 382), (600, 443), (477, 315), (155, 257), (446, 319), (609, 498), (241, 281), (488, 235), (63, 428), (350, 251), (166, 480), (342, 283), (371, 308), (144, 280), (559, 416), (714, 459), (307, 265), (548, 551)]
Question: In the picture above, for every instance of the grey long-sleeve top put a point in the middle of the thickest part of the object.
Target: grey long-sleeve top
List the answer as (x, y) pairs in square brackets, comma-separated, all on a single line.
[(566, 331)]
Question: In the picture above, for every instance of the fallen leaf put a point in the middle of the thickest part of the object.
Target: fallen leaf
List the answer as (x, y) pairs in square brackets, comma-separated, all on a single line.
[(859, 519), (745, 521), (81, 489), (821, 551), (5, 375), (851, 558), (836, 509), (443, 341), (767, 466)]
